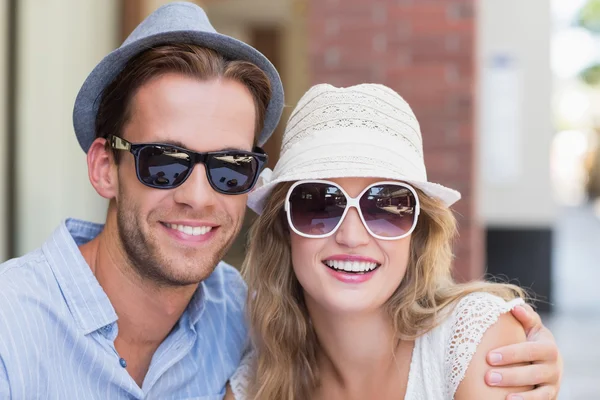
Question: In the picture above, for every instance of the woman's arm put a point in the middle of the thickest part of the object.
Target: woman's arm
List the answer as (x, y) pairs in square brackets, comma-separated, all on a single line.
[(506, 331), (540, 350)]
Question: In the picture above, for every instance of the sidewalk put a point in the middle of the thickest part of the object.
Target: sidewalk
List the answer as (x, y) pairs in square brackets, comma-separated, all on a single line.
[(576, 284)]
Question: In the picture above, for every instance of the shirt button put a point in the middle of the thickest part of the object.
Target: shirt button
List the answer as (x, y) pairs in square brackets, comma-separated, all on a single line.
[(123, 362)]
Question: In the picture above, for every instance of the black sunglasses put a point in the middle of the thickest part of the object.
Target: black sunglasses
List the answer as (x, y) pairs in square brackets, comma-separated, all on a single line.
[(164, 166)]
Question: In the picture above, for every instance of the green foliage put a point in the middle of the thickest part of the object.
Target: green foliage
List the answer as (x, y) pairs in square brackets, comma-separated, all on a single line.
[(591, 75), (589, 16)]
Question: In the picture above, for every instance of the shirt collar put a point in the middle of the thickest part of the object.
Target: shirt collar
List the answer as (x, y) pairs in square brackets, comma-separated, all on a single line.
[(85, 298), (196, 306), (90, 306)]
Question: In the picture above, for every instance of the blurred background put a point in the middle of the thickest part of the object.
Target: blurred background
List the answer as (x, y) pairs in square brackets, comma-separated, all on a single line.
[(507, 93)]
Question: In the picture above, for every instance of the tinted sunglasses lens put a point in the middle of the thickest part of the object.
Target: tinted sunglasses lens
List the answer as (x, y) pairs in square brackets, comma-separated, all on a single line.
[(316, 208), (232, 172), (389, 210), (163, 166)]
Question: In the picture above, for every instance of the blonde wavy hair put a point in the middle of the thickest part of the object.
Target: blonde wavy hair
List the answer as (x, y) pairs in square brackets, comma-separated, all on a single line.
[(285, 342)]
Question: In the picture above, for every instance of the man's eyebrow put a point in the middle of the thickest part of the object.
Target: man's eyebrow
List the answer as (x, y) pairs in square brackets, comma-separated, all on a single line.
[(171, 142), (233, 149), (180, 144)]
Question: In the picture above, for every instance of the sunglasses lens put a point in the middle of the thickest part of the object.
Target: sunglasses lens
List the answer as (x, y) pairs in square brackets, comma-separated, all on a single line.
[(316, 208), (389, 210), (232, 172), (163, 166)]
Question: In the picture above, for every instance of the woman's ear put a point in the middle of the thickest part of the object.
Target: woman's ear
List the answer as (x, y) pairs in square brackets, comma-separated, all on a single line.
[(101, 169)]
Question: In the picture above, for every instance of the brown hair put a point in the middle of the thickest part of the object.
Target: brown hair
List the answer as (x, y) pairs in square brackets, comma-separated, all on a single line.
[(285, 342), (186, 59)]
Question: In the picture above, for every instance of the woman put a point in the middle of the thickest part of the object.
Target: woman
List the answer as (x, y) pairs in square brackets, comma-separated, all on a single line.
[(349, 266)]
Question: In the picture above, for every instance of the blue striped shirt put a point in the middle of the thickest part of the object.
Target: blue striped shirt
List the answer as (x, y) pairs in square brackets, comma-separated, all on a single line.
[(57, 331)]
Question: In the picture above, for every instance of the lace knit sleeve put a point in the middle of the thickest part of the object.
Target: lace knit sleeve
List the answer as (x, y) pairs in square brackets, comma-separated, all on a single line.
[(240, 379), (473, 315)]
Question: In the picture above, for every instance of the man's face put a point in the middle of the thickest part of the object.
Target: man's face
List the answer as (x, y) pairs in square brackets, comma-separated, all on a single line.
[(176, 237)]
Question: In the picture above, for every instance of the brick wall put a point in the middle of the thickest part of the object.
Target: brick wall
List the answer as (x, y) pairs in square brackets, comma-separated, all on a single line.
[(424, 49)]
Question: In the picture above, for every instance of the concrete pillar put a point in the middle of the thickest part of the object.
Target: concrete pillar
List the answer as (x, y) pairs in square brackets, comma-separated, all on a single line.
[(515, 133), (4, 150), (59, 43)]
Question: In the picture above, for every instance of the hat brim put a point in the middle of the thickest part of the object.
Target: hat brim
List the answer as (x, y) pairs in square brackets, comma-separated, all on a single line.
[(350, 153), (89, 96), (257, 198)]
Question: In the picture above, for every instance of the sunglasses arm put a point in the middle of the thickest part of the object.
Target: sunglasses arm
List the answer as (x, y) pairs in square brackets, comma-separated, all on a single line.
[(119, 144)]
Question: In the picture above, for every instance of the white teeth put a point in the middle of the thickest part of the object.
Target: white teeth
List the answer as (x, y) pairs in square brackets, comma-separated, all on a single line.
[(191, 230), (201, 230), (351, 266)]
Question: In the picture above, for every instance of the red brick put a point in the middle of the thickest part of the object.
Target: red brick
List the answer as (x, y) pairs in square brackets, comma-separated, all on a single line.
[(428, 57)]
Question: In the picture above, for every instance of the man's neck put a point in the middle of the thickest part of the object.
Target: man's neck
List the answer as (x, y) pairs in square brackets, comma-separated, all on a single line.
[(147, 312)]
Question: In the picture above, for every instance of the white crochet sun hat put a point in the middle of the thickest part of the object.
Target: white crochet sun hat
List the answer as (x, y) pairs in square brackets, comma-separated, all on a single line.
[(366, 130)]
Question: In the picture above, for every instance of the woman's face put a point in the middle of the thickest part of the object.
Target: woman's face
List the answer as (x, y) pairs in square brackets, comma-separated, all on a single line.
[(321, 264)]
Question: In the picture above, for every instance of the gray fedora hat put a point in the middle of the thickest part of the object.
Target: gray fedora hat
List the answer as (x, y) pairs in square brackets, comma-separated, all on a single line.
[(178, 22)]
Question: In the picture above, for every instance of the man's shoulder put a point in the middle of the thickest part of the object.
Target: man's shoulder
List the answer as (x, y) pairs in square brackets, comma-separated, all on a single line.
[(223, 316), (227, 271), (224, 294), (27, 290), (27, 273), (226, 281), (26, 261)]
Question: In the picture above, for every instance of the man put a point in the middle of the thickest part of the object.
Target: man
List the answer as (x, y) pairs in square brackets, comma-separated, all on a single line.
[(142, 307)]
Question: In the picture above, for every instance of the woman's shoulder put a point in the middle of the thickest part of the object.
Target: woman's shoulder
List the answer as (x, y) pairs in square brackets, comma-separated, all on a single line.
[(470, 317), (240, 380), (443, 354), (483, 303), (470, 312)]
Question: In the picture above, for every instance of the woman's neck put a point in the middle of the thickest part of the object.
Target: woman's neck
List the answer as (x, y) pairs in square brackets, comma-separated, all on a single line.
[(359, 353)]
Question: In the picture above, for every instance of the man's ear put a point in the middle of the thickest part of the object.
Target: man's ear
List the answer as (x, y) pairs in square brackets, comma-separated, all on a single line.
[(102, 175)]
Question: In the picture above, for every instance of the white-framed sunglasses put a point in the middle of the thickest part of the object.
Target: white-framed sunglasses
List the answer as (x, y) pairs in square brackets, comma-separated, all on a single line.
[(316, 208)]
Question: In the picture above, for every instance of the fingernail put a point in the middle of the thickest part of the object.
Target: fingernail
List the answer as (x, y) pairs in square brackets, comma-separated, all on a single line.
[(495, 378), (521, 308), (516, 397), (495, 358)]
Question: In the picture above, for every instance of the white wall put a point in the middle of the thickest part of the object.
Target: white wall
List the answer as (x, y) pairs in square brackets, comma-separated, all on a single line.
[(520, 194), (60, 41)]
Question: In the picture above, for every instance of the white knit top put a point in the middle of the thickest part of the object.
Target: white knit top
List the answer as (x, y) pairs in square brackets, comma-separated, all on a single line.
[(440, 357)]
